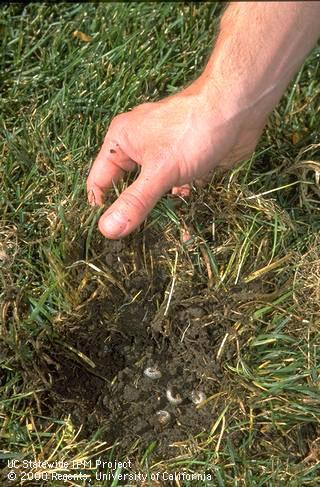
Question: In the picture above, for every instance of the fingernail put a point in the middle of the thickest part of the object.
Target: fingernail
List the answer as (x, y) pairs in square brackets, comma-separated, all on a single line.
[(114, 225)]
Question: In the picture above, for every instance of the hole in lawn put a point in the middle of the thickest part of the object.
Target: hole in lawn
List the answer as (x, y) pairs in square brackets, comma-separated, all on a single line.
[(103, 350)]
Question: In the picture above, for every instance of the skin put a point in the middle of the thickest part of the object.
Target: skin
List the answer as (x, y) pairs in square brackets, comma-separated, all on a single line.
[(214, 122)]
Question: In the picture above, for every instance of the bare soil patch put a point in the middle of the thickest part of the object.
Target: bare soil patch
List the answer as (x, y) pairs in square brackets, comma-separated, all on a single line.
[(99, 373)]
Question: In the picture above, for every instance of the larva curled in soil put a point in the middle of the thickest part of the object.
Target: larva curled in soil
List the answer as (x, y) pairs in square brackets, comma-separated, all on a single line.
[(175, 400), (197, 397), (163, 417), (152, 373)]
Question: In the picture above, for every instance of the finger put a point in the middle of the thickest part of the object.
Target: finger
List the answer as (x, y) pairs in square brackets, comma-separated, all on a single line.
[(134, 204), (183, 191), (108, 167)]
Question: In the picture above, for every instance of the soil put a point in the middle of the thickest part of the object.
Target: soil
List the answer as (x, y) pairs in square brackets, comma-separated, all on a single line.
[(122, 327)]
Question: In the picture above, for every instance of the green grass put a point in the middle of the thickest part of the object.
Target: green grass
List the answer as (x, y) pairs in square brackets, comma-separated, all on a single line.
[(58, 95)]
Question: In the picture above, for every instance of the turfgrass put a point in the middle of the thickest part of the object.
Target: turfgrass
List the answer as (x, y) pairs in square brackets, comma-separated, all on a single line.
[(58, 94)]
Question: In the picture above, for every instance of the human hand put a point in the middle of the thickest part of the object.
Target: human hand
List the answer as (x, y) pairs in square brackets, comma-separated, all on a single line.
[(215, 122), (174, 141)]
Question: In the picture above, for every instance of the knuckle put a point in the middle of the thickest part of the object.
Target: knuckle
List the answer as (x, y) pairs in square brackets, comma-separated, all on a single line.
[(134, 200), (118, 121), (118, 128)]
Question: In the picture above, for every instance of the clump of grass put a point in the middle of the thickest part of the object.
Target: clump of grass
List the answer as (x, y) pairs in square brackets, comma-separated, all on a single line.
[(307, 280)]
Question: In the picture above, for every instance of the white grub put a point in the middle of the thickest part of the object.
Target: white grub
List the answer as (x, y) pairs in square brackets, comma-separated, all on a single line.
[(152, 373), (175, 400), (163, 417), (197, 397)]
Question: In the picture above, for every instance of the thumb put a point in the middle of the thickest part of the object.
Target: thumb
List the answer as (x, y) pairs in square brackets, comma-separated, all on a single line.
[(134, 204)]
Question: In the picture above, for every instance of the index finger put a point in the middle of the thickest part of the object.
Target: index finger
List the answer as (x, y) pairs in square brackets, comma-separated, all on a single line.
[(108, 167)]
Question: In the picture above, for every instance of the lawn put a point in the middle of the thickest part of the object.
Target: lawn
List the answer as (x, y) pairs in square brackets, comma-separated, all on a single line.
[(232, 314)]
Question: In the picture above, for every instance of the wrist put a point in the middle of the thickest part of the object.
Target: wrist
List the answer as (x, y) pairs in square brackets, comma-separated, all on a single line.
[(235, 104), (241, 97)]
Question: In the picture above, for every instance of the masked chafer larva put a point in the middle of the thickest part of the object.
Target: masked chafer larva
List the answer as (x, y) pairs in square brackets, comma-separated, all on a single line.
[(175, 400), (152, 373), (197, 397), (163, 417)]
